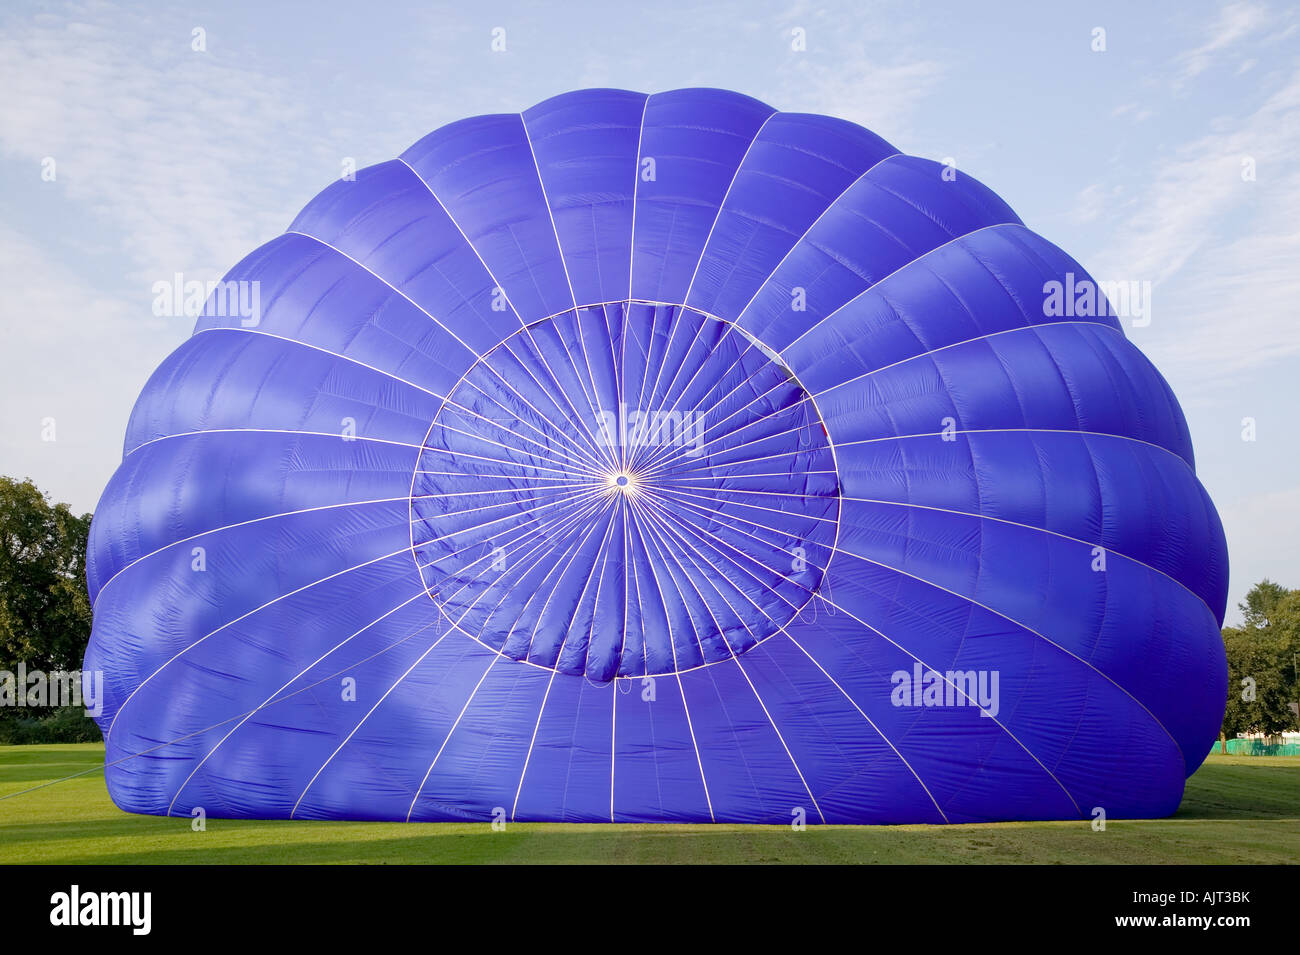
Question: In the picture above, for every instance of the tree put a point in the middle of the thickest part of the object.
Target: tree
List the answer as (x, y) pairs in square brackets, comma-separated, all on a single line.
[(1263, 683), (1261, 603), (44, 606)]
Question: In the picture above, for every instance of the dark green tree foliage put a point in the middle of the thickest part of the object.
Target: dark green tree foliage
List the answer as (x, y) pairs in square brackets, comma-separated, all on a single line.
[(1262, 661), (44, 607)]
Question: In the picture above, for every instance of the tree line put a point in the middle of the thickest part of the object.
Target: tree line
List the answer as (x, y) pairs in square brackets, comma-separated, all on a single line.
[(44, 609)]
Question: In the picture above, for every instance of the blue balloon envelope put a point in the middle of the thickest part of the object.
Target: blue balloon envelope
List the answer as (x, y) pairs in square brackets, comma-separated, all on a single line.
[(657, 458)]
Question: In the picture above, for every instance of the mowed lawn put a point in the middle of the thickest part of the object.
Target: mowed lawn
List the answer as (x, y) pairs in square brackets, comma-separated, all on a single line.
[(1237, 809)]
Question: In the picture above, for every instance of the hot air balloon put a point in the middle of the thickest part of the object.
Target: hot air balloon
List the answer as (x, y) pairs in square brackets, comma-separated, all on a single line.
[(657, 458)]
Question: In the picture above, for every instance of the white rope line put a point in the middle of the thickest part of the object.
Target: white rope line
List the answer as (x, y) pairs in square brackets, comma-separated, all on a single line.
[(711, 464), (672, 645), (514, 807), (543, 391), (636, 185), (970, 341), (308, 434), (642, 398), (1091, 434), (672, 479), (799, 241), (324, 351), (139, 686), (629, 581), (739, 359), (443, 398), (496, 283), (1042, 530), (447, 739), (770, 510), (717, 516), (1018, 623), (674, 454), (538, 548), (546, 201), (595, 491), (547, 499), (573, 366), (583, 471), (942, 675), (594, 398), (782, 380), (478, 476), (386, 694), (564, 392), (517, 464), (534, 530), (559, 578), (582, 595), (668, 529), (722, 204), (686, 388), (355, 729), (199, 765), (667, 555), (871, 723), (616, 373), (595, 600), (227, 527), (797, 429), (669, 515), (556, 431), (907, 264), (676, 586), (577, 500), (740, 666), (443, 495), (677, 323), (363, 266), (583, 466)]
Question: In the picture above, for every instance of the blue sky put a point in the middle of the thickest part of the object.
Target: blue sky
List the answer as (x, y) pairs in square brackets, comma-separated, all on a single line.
[(173, 160)]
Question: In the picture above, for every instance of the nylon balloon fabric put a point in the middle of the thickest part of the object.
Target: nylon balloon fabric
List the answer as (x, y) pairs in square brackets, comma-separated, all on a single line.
[(656, 458)]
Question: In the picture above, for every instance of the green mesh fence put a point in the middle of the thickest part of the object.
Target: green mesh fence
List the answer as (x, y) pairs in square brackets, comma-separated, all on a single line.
[(1257, 747)]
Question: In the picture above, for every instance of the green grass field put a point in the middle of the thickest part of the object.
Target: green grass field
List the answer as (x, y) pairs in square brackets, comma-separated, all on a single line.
[(1237, 809)]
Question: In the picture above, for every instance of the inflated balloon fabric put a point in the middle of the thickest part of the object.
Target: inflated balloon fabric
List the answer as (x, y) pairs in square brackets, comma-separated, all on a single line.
[(657, 458)]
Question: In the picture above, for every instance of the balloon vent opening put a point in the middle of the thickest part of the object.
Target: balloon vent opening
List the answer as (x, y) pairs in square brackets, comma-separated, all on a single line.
[(625, 490)]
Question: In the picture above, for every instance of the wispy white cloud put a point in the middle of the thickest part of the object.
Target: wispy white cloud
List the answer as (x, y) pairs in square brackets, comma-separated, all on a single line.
[(167, 160), (881, 95), (187, 158), (1093, 201), (1236, 22), (74, 356), (853, 68), (1220, 248), (1135, 112)]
